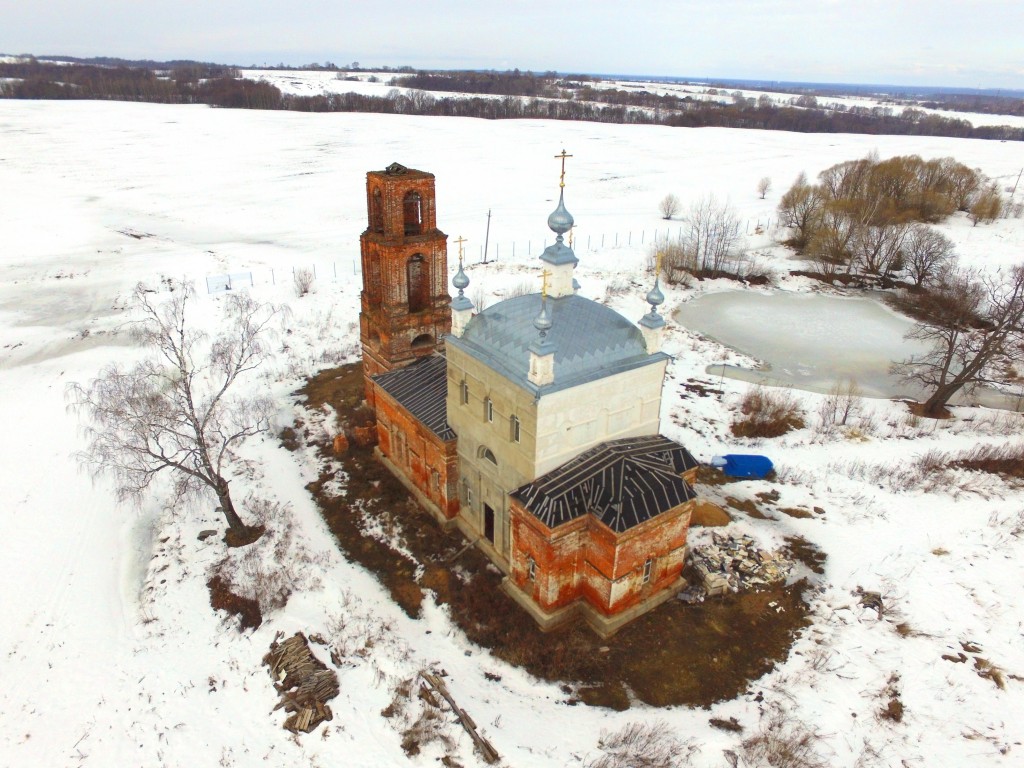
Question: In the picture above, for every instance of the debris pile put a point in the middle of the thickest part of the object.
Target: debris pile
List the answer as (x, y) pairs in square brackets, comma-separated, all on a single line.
[(872, 600), (732, 563), (304, 682)]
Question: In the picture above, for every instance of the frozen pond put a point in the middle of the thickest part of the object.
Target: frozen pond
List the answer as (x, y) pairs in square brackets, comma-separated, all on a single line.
[(810, 341)]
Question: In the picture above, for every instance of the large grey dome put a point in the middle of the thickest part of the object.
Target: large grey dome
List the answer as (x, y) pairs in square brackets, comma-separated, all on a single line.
[(590, 340)]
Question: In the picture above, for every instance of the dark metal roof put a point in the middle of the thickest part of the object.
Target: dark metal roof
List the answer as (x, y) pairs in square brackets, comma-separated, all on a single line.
[(591, 341), (422, 389), (623, 482)]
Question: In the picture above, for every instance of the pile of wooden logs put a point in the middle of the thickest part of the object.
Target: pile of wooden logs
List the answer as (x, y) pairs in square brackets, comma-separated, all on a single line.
[(486, 749), (304, 682)]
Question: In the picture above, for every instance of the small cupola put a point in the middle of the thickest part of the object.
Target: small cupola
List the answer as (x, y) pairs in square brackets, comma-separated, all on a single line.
[(542, 351), (559, 258), (652, 325), (462, 307)]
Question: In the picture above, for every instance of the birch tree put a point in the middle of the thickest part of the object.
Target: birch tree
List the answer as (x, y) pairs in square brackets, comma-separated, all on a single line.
[(176, 413)]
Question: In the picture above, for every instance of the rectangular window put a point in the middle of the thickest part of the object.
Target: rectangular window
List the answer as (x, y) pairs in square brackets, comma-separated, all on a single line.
[(648, 565), (437, 480), (488, 409), (464, 392), (533, 569), (513, 428)]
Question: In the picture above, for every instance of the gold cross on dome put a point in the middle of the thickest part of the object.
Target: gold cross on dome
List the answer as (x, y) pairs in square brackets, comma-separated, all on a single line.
[(563, 156), (460, 240), (657, 264), (544, 286)]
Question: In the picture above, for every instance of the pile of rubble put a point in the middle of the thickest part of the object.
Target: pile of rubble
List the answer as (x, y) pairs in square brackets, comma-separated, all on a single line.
[(732, 563)]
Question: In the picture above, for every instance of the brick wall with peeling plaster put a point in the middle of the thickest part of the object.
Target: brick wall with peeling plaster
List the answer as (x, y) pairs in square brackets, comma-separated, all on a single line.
[(584, 559), (419, 454)]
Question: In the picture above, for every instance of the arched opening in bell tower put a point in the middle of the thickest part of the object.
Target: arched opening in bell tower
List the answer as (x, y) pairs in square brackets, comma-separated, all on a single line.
[(418, 283), (376, 212), (412, 206)]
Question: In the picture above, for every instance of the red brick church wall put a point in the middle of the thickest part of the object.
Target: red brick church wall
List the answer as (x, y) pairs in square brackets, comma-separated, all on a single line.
[(418, 453), (584, 559)]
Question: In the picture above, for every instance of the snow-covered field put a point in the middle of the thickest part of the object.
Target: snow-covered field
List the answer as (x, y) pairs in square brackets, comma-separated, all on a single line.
[(315, 82), (111, 653)]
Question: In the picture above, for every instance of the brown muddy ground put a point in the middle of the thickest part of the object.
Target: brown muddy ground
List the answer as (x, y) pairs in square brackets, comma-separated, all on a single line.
[(676, 654)]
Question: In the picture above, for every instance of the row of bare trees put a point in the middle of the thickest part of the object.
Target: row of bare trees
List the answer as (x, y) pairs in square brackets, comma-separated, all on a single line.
[(709, 244), (869, 217), (525, 95), (873, 218)]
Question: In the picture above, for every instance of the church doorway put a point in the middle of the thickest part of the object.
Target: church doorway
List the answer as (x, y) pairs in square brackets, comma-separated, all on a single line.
[(489, 523)]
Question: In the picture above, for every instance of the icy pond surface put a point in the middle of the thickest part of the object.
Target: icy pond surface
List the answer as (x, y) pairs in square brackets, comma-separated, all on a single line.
[(807, 341)]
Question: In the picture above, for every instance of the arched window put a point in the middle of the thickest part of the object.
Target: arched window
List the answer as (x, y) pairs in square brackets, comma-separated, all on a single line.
[(423, 340), (417, 282), (488, 454), (376, 212), (412, 207)]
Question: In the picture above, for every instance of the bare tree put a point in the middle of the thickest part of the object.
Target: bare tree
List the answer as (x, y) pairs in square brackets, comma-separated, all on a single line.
[(174, 411), (669, 206), (970, 322), (800, 210), (711, 235), (763, 186), (844, 401), (926, 253), (878, 247), (831, 247)]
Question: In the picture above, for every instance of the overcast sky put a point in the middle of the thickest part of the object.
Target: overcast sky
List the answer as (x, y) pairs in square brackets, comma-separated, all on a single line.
[(975, 43)]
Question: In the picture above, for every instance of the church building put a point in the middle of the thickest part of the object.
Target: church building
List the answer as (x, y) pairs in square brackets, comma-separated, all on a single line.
[(532, 425)]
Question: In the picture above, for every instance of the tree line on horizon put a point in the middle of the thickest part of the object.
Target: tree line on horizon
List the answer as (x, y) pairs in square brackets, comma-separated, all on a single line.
[(523, 96)]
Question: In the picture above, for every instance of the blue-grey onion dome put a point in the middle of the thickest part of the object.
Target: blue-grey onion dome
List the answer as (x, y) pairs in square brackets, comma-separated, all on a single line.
[(543, 321), (560, 221), (460, 280), (655, 297)]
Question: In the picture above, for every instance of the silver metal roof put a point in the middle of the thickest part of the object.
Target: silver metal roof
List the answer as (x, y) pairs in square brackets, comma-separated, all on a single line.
[(422, 389), (622, 482), (590, 340)]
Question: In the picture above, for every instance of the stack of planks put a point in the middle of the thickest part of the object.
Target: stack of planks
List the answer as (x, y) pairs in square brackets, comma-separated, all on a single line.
[(304, 682)]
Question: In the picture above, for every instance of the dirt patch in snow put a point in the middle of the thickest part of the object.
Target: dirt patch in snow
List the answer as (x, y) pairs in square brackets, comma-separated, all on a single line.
[(223, 599), (675, 655)]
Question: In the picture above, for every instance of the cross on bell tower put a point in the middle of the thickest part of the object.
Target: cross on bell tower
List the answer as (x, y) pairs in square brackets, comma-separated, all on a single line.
[(405, 302)]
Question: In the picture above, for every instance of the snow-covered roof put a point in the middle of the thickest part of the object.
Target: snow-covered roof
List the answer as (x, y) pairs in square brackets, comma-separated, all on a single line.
[(623, 482)]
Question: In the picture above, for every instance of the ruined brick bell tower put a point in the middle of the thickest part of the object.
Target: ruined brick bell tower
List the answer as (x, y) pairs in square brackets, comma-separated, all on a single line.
[(405, 303)]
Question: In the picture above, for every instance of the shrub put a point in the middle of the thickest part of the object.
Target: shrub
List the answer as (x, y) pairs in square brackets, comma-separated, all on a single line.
[(669, 206), (783, 742), (643, 745), (304, 279), (767, 413)]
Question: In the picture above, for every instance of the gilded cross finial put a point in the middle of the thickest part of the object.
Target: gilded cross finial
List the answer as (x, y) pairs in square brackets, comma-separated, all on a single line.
[(563, 156), (544, 286), (657, 264), (460, 240)]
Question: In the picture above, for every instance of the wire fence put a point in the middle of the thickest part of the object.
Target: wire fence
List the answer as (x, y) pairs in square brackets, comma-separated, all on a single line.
[(589, 243), (334, 272), (509, 251)]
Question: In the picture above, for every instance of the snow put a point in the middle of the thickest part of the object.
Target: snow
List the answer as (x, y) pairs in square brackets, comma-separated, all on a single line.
[(112, 653)]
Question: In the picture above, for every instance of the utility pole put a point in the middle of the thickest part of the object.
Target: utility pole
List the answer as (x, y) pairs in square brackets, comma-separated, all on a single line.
[(1016, 183), (487, 236)]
